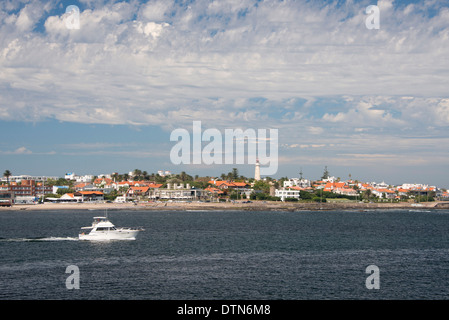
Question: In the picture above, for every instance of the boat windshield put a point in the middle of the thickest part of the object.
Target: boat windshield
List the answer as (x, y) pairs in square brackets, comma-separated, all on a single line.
[(105, 228)]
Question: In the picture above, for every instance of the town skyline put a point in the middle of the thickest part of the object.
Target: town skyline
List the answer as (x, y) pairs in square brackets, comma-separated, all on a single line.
[(232, 175)]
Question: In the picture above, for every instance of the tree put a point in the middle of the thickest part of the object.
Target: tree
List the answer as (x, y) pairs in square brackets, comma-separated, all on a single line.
[(367, 194), (62, 191), (235, 173), (325, 174), (7, 174), (184, 176), (262, 185)]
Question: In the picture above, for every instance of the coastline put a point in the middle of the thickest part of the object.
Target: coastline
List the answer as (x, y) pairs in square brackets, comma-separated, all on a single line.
[(237, 206)]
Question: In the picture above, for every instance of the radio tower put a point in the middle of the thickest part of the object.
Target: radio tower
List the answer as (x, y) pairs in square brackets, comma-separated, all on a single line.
[(257, 171)]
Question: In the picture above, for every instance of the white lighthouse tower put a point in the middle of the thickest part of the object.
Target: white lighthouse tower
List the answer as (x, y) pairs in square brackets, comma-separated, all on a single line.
[(257, 171)]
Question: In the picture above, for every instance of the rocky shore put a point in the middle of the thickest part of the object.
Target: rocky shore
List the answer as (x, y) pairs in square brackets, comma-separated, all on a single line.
[(253, 206)]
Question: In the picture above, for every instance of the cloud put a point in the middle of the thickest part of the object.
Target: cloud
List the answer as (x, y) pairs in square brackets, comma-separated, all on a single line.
[(311, 69), (18, 151)]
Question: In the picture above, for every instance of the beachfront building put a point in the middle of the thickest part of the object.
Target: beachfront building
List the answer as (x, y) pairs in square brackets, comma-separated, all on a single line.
[(25, 188), (177, 192), (287, 193), (6, 198), (383, 193), (230, 186), (89, 196), (134, 192)]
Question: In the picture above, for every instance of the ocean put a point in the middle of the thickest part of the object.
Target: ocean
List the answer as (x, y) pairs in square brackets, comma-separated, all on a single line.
[(227, 255)]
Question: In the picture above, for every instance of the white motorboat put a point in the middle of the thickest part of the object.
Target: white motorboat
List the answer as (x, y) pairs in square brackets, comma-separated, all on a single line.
[(103, 229)]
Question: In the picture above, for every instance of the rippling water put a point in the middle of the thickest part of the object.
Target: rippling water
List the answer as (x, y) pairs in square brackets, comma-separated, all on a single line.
[(228, 255)]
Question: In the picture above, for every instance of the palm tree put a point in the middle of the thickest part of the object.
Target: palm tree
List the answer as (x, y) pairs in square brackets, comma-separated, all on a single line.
[(7, 174), (367, 194)]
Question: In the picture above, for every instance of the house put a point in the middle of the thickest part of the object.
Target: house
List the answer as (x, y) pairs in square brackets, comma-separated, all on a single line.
[(101, 182), (81, 186), (228, 184), (340, 188), (138, 192), (444, 196), (403, 192), (177, 194), (87, 196), (120, 199), (287, 193), (214, 190), (333, 186), (348, 192), (384, 193), (69, 197)]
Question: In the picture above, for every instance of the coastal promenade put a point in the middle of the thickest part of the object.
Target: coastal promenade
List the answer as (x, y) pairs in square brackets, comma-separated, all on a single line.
[(253, 206)]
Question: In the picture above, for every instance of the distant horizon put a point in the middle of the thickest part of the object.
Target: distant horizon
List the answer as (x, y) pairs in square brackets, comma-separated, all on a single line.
[(354, 178)]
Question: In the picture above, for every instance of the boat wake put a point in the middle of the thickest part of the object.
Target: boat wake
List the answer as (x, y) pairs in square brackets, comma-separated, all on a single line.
[(37, 239)]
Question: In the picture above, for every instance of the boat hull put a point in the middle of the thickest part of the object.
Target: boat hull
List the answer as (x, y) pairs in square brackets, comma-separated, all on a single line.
[(110, 235)]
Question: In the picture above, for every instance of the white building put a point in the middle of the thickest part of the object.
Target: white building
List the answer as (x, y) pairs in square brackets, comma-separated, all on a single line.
[(55, 188), (287, 193), (164, 173), (72, 176), (296, 182), (85, 178), (414, 186), (27, 177), (120, 199)]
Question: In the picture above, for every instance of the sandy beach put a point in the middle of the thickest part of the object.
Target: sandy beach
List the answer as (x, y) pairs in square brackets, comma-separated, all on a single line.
[(253, 206)]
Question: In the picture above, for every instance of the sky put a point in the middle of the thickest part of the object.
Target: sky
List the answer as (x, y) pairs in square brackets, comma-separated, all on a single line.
[(103, 98)]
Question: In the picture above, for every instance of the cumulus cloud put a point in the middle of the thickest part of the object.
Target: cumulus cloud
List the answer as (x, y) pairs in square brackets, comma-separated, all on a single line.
[(250, 63)]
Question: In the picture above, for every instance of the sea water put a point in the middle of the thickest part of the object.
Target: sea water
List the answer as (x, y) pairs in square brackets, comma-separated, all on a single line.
[(228, 255)]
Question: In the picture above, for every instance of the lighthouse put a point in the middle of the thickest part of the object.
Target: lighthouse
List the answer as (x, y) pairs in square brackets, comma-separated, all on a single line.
[(257, 171)]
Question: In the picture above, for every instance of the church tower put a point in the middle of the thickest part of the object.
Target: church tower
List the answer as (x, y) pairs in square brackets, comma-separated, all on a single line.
[(257, 171)]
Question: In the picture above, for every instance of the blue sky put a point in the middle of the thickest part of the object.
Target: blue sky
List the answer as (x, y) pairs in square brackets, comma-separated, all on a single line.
[(105, 98)]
